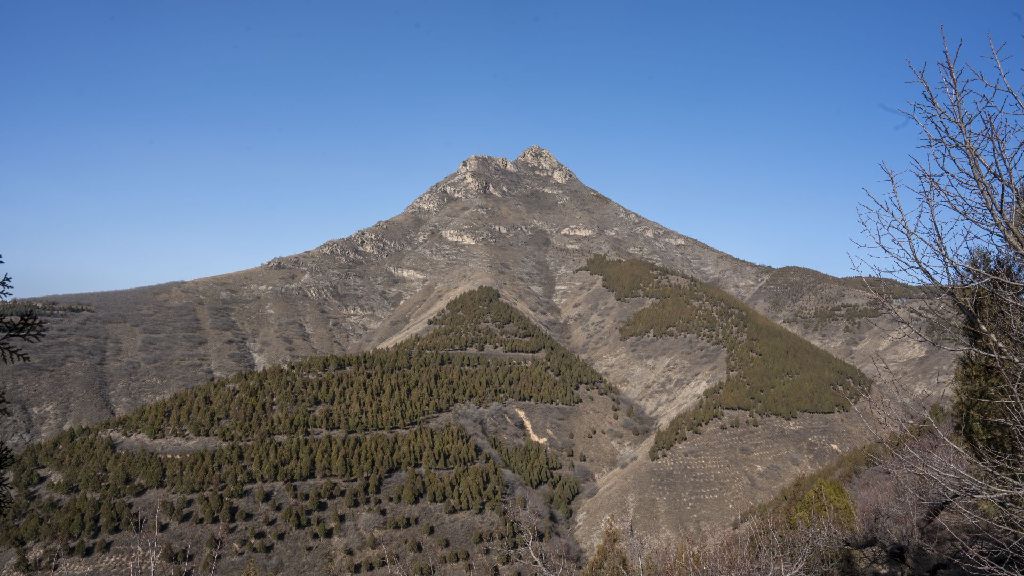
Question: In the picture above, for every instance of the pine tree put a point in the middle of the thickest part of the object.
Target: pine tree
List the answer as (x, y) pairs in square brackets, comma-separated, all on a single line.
[(983, 394)]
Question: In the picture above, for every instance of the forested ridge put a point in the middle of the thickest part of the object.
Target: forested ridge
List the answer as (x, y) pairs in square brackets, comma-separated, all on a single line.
[(303, 449), (770, 371)]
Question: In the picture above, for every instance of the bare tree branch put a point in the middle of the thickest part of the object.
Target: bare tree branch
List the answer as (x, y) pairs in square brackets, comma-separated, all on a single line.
[(953, 226)]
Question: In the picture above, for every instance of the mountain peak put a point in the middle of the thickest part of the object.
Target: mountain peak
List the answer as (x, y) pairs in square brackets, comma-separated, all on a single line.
[(537, 157), (533, 159), (490, 175), (542, 161)]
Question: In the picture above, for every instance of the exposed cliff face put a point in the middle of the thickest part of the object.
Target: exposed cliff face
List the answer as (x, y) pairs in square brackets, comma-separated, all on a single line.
[(524, 226)]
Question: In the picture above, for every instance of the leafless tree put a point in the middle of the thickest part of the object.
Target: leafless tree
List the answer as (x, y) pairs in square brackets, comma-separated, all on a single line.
[(215, 551), (528, 551), (394, 566), (764, 545), (645, 552), (640, 549), (767, 546), (144, 556), (888, 505), (952, 225)]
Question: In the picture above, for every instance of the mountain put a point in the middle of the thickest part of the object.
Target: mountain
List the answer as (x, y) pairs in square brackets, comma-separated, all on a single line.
[(530, 229)]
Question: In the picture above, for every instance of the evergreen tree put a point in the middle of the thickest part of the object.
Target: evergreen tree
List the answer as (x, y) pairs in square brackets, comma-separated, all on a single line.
[(18, 325), (984, 394)]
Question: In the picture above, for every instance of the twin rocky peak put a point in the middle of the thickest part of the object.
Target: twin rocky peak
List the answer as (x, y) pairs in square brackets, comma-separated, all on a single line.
[(536, 170)]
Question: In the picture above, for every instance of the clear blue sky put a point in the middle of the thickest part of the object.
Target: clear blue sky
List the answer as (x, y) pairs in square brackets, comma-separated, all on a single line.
[(143, 142)]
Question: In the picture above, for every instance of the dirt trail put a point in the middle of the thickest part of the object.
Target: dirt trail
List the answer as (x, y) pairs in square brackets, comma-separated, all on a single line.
[(529, 428)]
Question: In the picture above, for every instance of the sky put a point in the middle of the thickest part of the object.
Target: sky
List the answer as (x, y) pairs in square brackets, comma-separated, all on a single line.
[(145, 142)]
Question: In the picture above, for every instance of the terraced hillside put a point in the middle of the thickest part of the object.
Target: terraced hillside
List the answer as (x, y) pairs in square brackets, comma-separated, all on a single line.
[(527, 227), (333, 463), (769, 370), (765, 406)]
